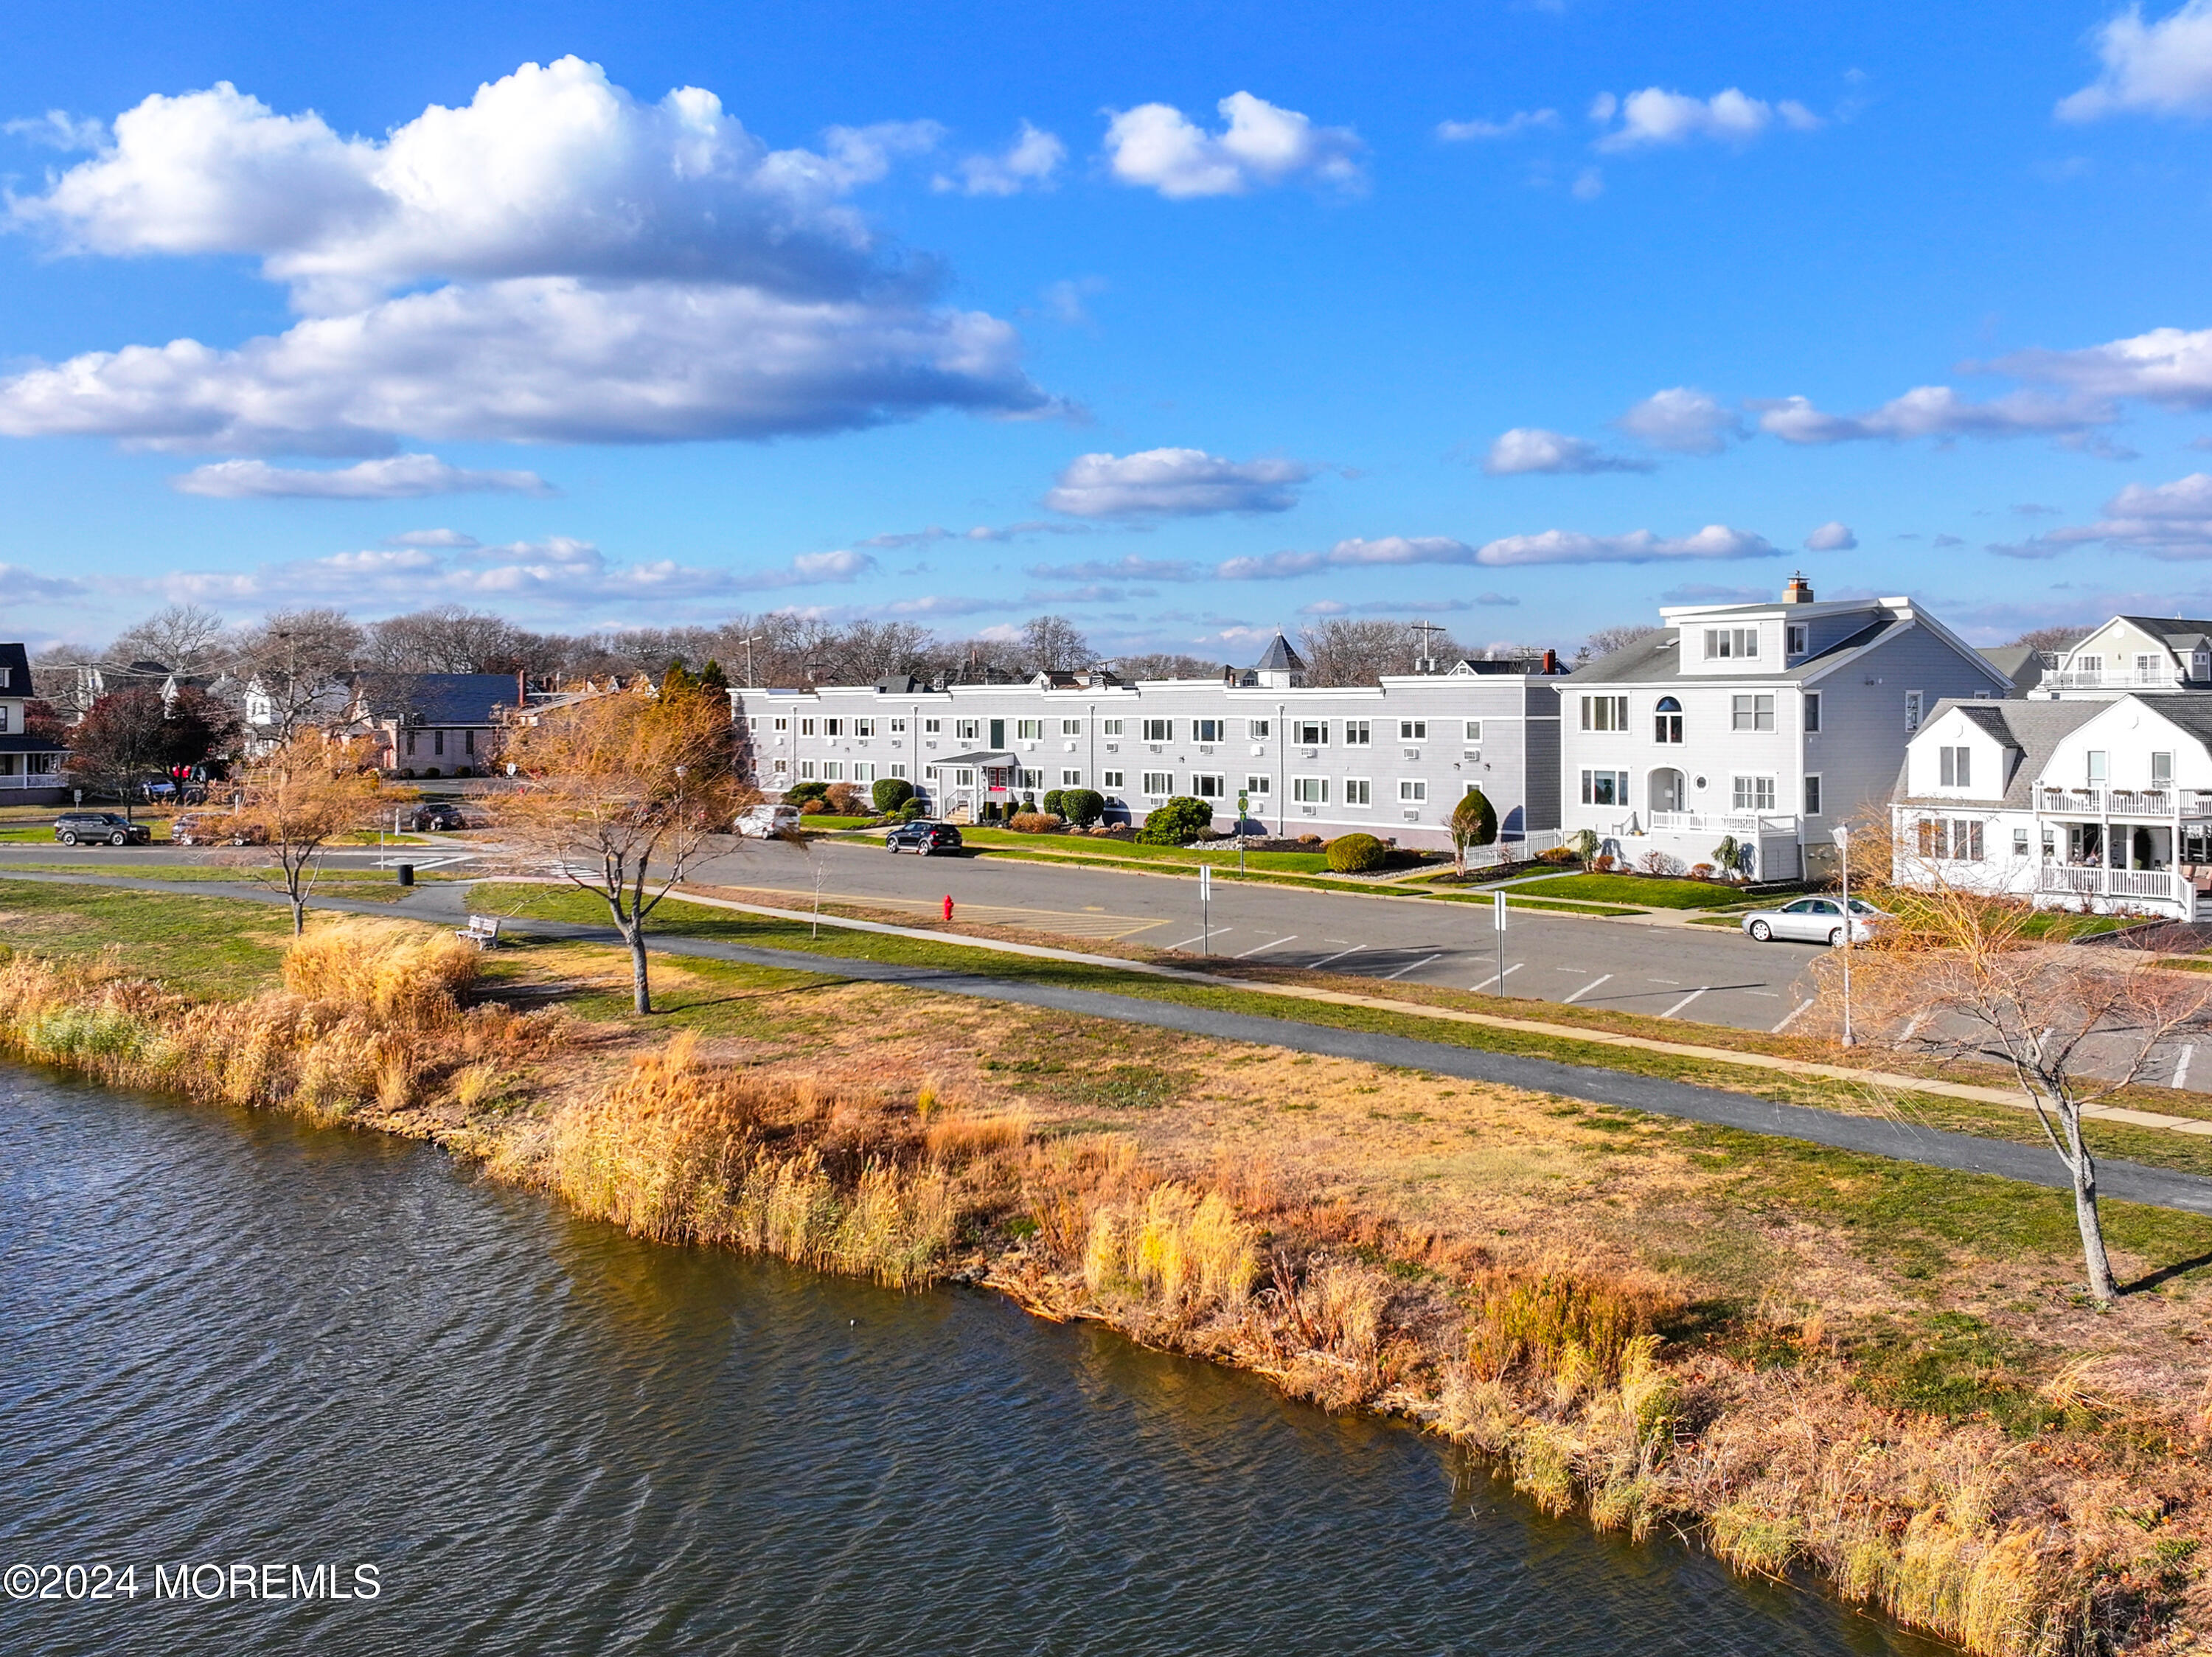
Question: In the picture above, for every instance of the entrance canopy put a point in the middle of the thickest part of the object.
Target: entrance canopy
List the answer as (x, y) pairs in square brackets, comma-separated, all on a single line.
[(985, 757)]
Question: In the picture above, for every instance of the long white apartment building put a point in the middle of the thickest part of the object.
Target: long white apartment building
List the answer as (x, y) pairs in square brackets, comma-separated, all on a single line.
[(1392, 757), (1768, 724)]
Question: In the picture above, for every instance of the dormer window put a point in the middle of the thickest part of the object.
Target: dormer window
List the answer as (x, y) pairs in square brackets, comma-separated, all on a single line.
[(1958, 767), (1731, 643), (2200, 663), (1801, 639)]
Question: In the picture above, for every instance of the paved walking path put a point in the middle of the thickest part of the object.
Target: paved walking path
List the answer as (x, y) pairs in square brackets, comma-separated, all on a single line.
[(1872, 1135)]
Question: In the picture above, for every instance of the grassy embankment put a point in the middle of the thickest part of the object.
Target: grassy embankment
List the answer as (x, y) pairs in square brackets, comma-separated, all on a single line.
[(1805, 1356)]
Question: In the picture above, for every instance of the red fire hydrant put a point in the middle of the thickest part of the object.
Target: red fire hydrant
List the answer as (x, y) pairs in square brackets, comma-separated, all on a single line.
[(948, 906)]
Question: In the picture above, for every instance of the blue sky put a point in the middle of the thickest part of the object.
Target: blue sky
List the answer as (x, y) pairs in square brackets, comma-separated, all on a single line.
[(1527, 318)]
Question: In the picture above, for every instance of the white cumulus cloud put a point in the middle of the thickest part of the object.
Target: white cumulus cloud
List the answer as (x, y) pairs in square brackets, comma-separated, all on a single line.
[(399, 476), (2166, 365), (1935, 412), (2170, 521), (1655, 116), (2164, 67), (1638, 546), (1833, 536), (1158, 146), (1030, 162), (1177, 483), (1532, 448), (1682, 420), (1521, 120), (613, 270)]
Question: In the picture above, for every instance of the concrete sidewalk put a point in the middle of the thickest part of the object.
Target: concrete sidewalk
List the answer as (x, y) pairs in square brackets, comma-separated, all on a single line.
[(1870, 1135)]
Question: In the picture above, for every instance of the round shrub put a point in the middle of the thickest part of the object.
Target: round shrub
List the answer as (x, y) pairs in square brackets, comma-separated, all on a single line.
[(814, 807), (890, 793), (1177, 822), (799, 793), (1054, 801), (1357, 854), (1082, 807)]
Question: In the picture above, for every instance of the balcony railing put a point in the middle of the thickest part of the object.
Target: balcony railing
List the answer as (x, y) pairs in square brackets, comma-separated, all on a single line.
[(1700, 822), (2116, 679), (2087, 881), (2124, 802)]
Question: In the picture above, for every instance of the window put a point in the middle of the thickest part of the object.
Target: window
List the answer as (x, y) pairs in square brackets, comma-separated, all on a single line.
[(1159, 730), (1605, 713), (1411, 791), (964, 775), (782, 723), (864, 728), (1754, 713), (781, 767), (898, 727), (2019, 843), (966, 730), (1311, 733), (1812, 710), (2161, 770), (1206, 730), (864, 771), (833, 727), (4, 709), (898, 768), (1111, 726), (468, 741), (1957, 767), (1605, 787), (1109, 780), (1666, 720), (1731, 643), (1256, 784), (806, 770), (2096, 758), (1028, 730), (1029, 779), (1754, 794), (1413, 730), (1358, 791), (1207, 786), (1160, 782), (437, 742), (807, 727), (1070, 728), (2090, 667), (1071, 779), (1474, 730), (1799, 638), (1358, 734), (1260, 729), (1912, 705), (1310, 790), (2145, 666), (1957, 839), (931, 727), (832, 771), (410, 745), (1812, 796)]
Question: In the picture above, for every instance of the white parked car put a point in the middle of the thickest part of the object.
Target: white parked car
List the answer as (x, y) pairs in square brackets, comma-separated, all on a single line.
[(766, 822), (1814, 920)]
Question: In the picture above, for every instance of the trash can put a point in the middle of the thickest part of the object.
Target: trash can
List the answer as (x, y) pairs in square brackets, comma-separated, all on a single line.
[(407, 875)]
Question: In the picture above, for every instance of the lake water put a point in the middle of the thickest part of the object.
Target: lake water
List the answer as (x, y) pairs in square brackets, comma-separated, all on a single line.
[(235, 1350)]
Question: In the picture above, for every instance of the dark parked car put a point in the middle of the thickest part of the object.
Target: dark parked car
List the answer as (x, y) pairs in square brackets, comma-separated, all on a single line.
[(437, 818), (98, 828), (923, 837)]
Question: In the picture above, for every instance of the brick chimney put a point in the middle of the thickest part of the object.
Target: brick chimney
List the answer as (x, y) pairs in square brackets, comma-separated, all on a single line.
[(1800, 591)]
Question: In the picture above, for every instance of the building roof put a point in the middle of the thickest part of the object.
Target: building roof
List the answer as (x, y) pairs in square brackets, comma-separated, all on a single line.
[(2032, 729), (438, 698), (1658, 656), (15, 670), (2190, 710), (2021, 663), (980, 757), (23, 742), (1279, 658), (2177, 632)]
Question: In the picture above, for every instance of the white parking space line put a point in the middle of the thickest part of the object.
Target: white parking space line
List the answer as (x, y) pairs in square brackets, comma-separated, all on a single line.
[(1402, 970), (1803, 1007), (1591, 985), (1339, 956), (1684, 1002), (2181, 1067), (1498, 978), (1672, 983), (1257, 948), (1200, 937)]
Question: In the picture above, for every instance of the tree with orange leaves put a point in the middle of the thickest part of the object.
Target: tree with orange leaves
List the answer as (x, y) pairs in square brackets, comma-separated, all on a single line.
[(301, 796)]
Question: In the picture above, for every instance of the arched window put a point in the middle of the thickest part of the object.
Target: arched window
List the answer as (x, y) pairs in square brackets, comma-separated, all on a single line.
[(1667, 722)]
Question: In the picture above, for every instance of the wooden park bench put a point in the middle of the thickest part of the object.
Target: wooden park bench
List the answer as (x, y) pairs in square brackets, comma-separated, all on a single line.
[(483, 930)]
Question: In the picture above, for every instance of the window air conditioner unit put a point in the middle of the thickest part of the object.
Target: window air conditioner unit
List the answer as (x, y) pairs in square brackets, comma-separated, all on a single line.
[(1412, 753)]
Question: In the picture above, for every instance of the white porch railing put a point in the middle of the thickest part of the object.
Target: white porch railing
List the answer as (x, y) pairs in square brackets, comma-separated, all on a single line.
[(2123, 802), (1699, 822), (30, 780), (2089, 881), (2117, 679)]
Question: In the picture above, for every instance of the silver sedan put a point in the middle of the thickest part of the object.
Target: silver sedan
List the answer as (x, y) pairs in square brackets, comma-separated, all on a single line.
[(1814, 920)]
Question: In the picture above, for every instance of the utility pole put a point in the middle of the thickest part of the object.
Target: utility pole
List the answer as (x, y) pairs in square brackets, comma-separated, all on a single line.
[(1426, 663), (1843, 856)]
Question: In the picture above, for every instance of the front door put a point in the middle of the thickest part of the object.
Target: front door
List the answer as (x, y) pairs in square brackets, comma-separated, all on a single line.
[(998, 734)]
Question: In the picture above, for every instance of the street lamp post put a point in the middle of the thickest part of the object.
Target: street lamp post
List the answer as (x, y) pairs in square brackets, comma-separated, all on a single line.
[(1843, 856)]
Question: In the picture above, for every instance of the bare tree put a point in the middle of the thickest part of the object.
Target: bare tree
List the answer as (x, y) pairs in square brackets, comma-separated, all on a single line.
[(446, 639), (1342, 651), (1958, 976), (2052, 638), (1165, 664), (1605, 640), (1055, 644), (296, 660), (185, 639), (624, 793), (298, 798)]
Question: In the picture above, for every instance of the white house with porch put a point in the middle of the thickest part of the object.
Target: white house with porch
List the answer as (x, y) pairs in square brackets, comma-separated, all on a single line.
[(2131, 652), (30, 766), (1765, 724), (2097, 803)]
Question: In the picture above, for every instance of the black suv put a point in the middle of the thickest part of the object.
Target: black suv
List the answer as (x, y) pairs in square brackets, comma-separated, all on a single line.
[(99, 827), (923, 837)]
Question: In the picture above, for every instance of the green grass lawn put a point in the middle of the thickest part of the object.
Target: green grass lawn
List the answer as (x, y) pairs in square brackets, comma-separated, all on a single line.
[(1282, 862), (1650, 890)]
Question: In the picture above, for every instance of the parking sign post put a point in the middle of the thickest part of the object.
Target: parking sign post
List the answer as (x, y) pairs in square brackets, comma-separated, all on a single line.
[(1206, 909)]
